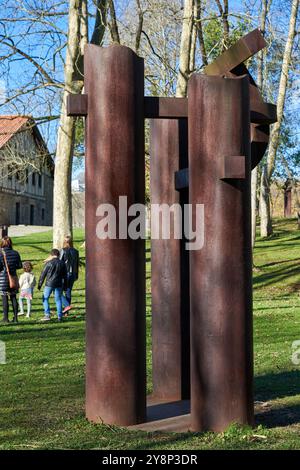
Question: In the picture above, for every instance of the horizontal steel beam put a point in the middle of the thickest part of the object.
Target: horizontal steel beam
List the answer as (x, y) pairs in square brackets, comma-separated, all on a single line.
[(233, 167), (165, 108), (77, 105), (242, 50), (175, 108)]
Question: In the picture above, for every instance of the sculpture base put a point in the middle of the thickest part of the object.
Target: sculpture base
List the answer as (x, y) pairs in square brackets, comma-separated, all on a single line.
[(166, 416)]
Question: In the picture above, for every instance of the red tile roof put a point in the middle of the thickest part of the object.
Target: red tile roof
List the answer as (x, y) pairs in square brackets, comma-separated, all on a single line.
[(9, 126)]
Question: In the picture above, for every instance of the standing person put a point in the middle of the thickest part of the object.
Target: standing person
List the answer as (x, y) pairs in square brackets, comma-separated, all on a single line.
[(70, 256), (27, 283), (55, 274), (10, 261)]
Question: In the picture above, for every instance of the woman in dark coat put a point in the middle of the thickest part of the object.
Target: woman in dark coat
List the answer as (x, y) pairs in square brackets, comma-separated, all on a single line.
[(14, 263)]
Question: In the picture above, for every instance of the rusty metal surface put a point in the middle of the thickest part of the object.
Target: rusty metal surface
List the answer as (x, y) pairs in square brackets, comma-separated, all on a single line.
[(221, 272), (261, 112), (242, 50), (115, 269), (182, 179), (233, 167), (77, 105), (169, 268), (259, 143), (164, 108), (288, 202)]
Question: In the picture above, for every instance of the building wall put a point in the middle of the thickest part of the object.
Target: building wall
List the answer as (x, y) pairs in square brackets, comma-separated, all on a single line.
[(30, 201)]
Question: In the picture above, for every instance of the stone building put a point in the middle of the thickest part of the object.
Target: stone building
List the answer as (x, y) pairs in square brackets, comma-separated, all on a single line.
[(26, 173)]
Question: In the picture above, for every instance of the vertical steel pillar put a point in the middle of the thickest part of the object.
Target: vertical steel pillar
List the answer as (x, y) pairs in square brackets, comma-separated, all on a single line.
[(115, 282), (288, 202), (169, 267), (220, 273)]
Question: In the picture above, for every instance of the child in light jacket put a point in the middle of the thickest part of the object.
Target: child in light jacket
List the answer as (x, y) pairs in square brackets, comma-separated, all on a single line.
[(27, 283)]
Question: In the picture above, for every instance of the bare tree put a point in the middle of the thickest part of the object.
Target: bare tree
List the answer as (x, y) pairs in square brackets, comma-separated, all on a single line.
[(224, 12), (265, 221), (62, 207), (199, 13), (187, 48), (113, 24), (265, 7)]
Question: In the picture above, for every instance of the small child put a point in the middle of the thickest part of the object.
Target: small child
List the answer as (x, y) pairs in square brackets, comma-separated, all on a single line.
[(27, 283)]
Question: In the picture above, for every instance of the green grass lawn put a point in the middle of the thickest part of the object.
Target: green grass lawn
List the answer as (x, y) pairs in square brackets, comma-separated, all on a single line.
[(42, 384)]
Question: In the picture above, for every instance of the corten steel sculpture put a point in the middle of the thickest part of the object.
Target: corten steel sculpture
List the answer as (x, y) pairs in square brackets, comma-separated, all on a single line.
[(202, 151)]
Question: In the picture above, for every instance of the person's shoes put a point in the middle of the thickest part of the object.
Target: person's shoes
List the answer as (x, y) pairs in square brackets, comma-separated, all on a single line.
[(27, 316), (45, 318), (59, 319), (15, 320), (20, 313), (66, 309), (5, 320)]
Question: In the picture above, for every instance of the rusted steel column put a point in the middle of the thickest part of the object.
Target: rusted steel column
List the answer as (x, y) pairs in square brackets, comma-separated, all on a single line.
[(288, 202), (115, 280), (169, 267), (220, 273)]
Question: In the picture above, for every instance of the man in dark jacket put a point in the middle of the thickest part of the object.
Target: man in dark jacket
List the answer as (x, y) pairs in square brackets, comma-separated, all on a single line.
[(55, 273)]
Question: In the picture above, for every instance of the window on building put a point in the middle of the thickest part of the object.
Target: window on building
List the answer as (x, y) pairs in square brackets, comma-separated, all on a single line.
[(32, 215), (33, 179), (18, 213), (40, 181), (43, 214), (27, 176)]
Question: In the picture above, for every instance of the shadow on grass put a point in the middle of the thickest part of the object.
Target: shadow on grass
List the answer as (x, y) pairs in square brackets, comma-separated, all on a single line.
[(279, 417), (272, 386), (276, 275), (277, 386)]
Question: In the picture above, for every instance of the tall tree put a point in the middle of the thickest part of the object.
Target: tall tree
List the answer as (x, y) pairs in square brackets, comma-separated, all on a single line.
[(265, 6), (62, 206), (265, 213), (224, 12), (199, 13), (73, 83), (187, 48)]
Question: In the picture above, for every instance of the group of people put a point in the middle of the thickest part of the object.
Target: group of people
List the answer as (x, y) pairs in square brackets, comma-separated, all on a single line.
[(59, 273)]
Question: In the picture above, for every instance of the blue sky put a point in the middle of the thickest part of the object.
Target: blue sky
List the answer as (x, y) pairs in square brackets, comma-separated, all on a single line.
[(44, 101)]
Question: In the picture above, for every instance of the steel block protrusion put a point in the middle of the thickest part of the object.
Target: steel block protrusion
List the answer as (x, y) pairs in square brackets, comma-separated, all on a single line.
[(233, 167)]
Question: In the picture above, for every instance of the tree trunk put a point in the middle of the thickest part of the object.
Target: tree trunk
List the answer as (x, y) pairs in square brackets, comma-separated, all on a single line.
[(266, 226), (265, 218), (77, 38), (200, 32), (186, 47), (100, 22), (265, 5), (62, 202), (224, 10), (254, 179), (113, 24)]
